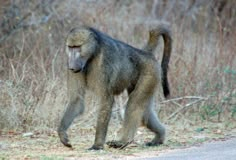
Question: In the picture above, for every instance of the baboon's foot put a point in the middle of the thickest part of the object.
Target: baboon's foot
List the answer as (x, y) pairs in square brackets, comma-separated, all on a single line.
[(118, 144), (153, 143), (96, 147), (64, 139)]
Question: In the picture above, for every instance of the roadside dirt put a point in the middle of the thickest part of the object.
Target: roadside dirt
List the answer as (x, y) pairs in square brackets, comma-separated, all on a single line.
[(46, 146)]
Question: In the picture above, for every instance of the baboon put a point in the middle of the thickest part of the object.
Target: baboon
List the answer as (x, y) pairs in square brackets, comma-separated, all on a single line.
[(107, 67)]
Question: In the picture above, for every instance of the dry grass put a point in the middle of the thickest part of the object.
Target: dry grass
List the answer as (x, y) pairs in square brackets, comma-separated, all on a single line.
[(33, 63)]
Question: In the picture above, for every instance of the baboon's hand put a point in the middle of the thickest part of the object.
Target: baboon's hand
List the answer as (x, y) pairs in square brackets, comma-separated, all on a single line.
[(64, 139), (118, 144)]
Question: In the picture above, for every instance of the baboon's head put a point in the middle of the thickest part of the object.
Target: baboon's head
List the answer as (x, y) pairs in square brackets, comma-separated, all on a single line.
[(80, 47)]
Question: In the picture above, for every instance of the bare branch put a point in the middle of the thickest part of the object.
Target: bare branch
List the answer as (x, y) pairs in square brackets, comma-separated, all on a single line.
[(199, 99), (186, 97)]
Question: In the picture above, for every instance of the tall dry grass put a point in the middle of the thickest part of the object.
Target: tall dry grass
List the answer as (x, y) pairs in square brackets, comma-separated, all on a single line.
[(33, 62)]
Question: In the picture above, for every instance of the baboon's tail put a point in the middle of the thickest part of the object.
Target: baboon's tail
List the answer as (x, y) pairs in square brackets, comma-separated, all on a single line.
[(151, 46)]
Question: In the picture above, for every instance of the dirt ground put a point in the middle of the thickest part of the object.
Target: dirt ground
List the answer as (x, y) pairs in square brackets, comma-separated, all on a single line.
[(46, 146)]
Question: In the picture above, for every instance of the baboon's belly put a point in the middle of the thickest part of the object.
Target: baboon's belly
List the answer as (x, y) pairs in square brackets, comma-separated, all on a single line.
[(123, 81)]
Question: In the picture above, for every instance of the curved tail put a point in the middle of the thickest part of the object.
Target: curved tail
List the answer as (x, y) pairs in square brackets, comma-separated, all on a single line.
[(151, 46)]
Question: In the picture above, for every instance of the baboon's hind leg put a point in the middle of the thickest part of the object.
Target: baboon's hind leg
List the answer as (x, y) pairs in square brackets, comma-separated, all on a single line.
[(138, 101), (151, 121)]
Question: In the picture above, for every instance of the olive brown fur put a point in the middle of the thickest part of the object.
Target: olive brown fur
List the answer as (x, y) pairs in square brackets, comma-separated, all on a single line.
[(107, 67)]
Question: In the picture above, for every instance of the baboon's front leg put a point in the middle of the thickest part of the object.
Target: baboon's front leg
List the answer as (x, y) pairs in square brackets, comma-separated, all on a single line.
[(75, 86), (102, 122), (74, 108)]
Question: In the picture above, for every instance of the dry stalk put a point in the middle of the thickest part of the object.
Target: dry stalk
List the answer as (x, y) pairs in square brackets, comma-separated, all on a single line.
[(183, 107)]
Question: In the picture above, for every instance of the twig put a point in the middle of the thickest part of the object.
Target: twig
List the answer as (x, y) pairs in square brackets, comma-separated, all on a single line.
[(53, 64), (185, 106), (125, 145), (186, 97)]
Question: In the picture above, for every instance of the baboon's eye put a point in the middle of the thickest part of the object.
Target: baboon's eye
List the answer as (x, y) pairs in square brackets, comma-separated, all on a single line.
[(71, 47), (75, 48)]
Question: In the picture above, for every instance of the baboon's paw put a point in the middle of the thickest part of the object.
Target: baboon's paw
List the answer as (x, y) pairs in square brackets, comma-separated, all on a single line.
[(152, 144), (117, 144), (64, 139), (95, 147), (67, 144)]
